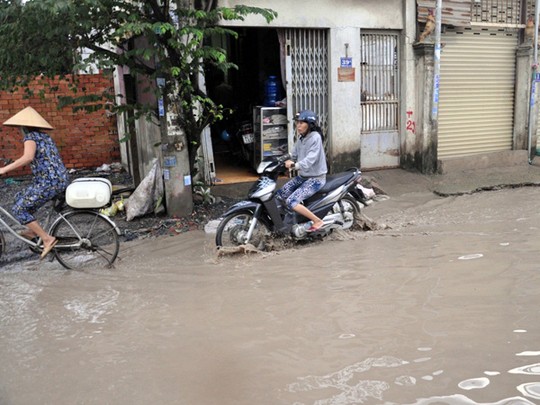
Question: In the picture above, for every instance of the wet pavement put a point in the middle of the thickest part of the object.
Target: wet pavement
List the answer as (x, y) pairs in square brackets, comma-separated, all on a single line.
[(439, 307)]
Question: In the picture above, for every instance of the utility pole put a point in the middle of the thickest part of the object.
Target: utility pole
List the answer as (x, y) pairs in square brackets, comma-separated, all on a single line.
[(534, 80), (436, 65)]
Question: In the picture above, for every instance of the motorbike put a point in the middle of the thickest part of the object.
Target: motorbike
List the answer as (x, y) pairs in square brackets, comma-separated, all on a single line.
[(263, 214)]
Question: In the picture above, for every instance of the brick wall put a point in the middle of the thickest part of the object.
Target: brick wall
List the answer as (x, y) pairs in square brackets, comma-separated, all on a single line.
[(85, 140)]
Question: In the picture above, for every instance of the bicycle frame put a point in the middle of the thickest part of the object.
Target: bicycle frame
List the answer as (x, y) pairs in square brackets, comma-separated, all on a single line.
[(10, 229), (61, 217)]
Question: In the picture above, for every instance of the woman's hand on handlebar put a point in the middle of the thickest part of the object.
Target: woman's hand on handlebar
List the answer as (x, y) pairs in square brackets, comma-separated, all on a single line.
[(289, 164)]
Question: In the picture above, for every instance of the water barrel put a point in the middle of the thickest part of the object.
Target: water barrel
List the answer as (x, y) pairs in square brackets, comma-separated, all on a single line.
[(271, 91)]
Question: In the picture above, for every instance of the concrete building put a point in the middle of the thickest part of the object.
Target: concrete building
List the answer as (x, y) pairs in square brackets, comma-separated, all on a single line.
[(362, 68), (368, 69)]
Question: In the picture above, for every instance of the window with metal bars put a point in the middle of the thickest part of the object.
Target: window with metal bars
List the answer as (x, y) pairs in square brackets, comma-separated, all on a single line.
[(379, 81), (496, 11)]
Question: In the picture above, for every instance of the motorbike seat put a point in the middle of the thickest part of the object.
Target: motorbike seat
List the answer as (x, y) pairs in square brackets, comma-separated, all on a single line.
[(332, 182), (335, 180)]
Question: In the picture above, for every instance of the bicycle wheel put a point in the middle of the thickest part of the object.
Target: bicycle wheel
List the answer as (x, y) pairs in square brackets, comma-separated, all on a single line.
[(85, 240), (2, 243), (233, 230)]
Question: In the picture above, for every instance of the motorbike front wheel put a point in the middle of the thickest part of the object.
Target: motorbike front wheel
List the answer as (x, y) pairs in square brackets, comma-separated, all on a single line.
[(233, 229), (350, 210)]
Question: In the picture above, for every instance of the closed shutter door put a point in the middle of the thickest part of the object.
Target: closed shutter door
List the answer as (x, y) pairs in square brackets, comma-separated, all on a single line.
[(476, 99)]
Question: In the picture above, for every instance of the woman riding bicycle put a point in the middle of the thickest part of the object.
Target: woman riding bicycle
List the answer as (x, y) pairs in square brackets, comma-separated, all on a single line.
[(50, 177)]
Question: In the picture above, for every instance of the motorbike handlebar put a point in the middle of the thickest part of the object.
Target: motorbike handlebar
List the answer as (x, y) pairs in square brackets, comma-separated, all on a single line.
[(284, 157)]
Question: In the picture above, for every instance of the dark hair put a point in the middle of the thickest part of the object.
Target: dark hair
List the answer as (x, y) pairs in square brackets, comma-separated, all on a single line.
[(316, 128)]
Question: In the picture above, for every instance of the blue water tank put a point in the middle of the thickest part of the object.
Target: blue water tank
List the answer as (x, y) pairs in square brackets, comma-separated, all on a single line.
[(271, 91)]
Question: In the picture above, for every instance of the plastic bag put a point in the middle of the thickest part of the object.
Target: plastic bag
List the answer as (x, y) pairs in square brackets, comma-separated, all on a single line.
[(148, 195)]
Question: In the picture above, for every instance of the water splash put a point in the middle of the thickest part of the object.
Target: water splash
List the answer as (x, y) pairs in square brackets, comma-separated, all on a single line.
[(350, 394), (93, 306)]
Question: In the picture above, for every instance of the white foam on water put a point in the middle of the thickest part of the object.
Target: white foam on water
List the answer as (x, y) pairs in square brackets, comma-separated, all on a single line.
[(471, 256), (531, 390), (531, 369), (474, 383), (528, 353)]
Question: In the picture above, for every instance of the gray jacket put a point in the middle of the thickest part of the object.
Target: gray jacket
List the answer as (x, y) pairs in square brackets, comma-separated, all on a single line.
[(308, 153)]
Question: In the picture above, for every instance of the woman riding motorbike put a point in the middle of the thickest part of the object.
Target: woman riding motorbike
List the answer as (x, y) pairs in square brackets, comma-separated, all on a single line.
[(309, 159)]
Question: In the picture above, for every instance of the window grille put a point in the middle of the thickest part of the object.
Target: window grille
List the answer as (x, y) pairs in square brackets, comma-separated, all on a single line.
[(379, 82), (309, 81), (496, 11)]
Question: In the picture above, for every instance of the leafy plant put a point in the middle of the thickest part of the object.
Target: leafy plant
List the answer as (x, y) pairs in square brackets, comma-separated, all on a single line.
[(159, 41), (205, 192)]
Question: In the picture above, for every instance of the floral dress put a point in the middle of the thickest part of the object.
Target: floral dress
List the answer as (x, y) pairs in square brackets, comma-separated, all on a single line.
[(50, 178)]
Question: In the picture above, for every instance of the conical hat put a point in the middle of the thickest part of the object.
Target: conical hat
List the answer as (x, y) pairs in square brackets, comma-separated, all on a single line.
[(28, 118)]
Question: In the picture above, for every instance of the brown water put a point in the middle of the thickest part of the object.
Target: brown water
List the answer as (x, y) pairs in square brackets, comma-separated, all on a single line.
[(440, 309)]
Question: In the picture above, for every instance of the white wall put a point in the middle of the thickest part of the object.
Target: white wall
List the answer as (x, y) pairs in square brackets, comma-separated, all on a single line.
[(344, 98), (379, 14), (344, 19)]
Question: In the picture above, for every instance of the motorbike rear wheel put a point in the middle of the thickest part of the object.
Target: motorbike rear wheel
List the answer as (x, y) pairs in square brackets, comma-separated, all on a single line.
[(232, 231)]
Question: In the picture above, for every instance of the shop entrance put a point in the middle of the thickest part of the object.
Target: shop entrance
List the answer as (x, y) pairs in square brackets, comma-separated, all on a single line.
[(256, 52), (298, 55)]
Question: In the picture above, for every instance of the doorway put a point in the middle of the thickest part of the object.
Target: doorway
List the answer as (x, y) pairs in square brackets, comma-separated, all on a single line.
[(380, 97), (256, 52)]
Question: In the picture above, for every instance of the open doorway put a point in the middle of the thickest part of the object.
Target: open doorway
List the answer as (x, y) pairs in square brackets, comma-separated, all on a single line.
[(256, 52)]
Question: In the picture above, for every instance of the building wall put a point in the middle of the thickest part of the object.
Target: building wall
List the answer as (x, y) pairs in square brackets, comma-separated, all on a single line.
[(368, 14), (344, 98), (344, 20), (84, 140)]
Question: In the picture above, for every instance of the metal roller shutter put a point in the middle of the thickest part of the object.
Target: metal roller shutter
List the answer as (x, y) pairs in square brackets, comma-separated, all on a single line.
[(476, 99)]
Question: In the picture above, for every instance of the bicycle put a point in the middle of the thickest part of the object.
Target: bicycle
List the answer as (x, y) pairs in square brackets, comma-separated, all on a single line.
[(86, 238)]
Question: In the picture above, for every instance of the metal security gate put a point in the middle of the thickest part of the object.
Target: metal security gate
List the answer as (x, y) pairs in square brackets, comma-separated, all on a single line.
[(379, 83), (476, 99), (307, 75)]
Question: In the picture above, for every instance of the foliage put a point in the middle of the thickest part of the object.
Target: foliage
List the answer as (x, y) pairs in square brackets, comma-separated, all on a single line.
[(154, 39), (204, 192)]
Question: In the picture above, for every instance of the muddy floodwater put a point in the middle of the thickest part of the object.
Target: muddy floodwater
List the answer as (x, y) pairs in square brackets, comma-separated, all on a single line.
[(443, 307)]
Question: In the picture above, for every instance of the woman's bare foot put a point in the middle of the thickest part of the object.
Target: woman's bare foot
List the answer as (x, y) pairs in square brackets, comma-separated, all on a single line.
[(316, 226), (48, 245)]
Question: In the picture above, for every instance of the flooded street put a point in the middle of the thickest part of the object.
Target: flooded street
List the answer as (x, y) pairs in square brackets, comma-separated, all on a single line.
[(441, 308)]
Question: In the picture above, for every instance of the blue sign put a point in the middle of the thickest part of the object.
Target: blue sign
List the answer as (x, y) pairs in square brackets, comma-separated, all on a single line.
[(169, 161), (161, 107), (346, 62)]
